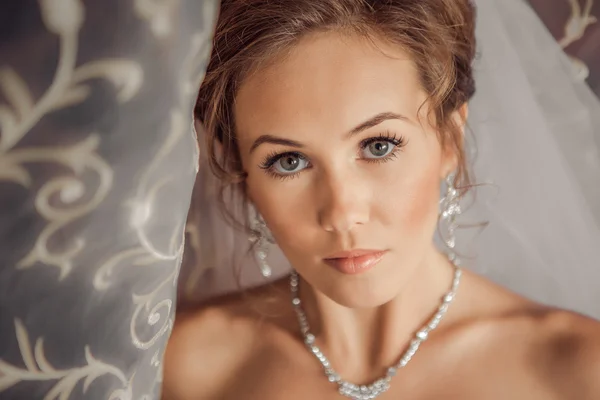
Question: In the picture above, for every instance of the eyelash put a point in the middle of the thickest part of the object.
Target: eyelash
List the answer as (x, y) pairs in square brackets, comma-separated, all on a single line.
[(273, 157), (398, 141)]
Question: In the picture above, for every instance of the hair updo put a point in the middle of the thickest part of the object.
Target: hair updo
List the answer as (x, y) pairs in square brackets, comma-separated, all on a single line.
[(437, 34)]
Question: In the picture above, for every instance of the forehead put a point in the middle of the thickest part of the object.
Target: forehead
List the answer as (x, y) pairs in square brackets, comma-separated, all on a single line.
[(328, 82)]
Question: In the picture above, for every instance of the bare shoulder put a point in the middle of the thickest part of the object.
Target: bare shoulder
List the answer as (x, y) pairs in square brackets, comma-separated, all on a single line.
[(559, 350), (569, 353), (207, 346), (216, 341)]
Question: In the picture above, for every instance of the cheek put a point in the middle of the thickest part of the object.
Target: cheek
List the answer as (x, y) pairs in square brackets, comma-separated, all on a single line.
[(410, 204), (421, 213), (284, 206)]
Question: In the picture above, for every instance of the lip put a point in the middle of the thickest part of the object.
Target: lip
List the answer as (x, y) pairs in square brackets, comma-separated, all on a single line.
[(355, 261)]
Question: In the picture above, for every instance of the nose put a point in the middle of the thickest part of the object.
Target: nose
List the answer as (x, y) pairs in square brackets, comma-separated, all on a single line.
[(345, 203)]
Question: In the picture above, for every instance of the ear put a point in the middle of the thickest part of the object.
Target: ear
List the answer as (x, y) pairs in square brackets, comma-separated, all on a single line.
[(450, 155)]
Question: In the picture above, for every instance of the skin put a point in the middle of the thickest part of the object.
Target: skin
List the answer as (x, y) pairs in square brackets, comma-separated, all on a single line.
[(491, 344)]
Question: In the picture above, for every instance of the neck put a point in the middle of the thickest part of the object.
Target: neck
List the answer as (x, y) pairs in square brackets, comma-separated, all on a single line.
[(364, 342)]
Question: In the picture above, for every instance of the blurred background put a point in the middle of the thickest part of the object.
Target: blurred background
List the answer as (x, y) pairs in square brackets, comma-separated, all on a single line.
[(574, 25)]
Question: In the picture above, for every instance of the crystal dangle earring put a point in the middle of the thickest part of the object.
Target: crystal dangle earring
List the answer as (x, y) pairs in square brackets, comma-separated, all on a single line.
[(260, 238), (449, 211)]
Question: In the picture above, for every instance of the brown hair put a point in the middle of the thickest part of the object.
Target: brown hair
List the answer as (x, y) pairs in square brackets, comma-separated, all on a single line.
[(437, 34)]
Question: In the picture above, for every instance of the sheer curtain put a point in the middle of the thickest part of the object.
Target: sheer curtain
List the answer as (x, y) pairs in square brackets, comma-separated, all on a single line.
[(97, 162)]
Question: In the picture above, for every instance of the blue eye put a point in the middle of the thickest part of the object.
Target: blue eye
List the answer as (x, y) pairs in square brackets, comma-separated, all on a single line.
[(289, 164), (285, 165), (381, 147), (378, 149)]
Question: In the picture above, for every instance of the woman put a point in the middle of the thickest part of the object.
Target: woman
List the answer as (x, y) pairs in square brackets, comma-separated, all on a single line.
[(337, 121)]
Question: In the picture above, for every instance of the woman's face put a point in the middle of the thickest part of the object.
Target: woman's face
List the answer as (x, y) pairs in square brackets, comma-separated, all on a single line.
[(339, 158)]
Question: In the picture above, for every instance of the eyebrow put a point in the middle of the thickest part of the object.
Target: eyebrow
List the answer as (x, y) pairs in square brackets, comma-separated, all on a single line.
[(376, 120), (275, 140), (371, 122)]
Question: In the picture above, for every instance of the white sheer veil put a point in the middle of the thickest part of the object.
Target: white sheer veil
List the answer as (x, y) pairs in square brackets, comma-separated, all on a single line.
[(535, 140)]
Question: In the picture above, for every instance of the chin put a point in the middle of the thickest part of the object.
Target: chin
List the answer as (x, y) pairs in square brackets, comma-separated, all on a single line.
[(367, 290)]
